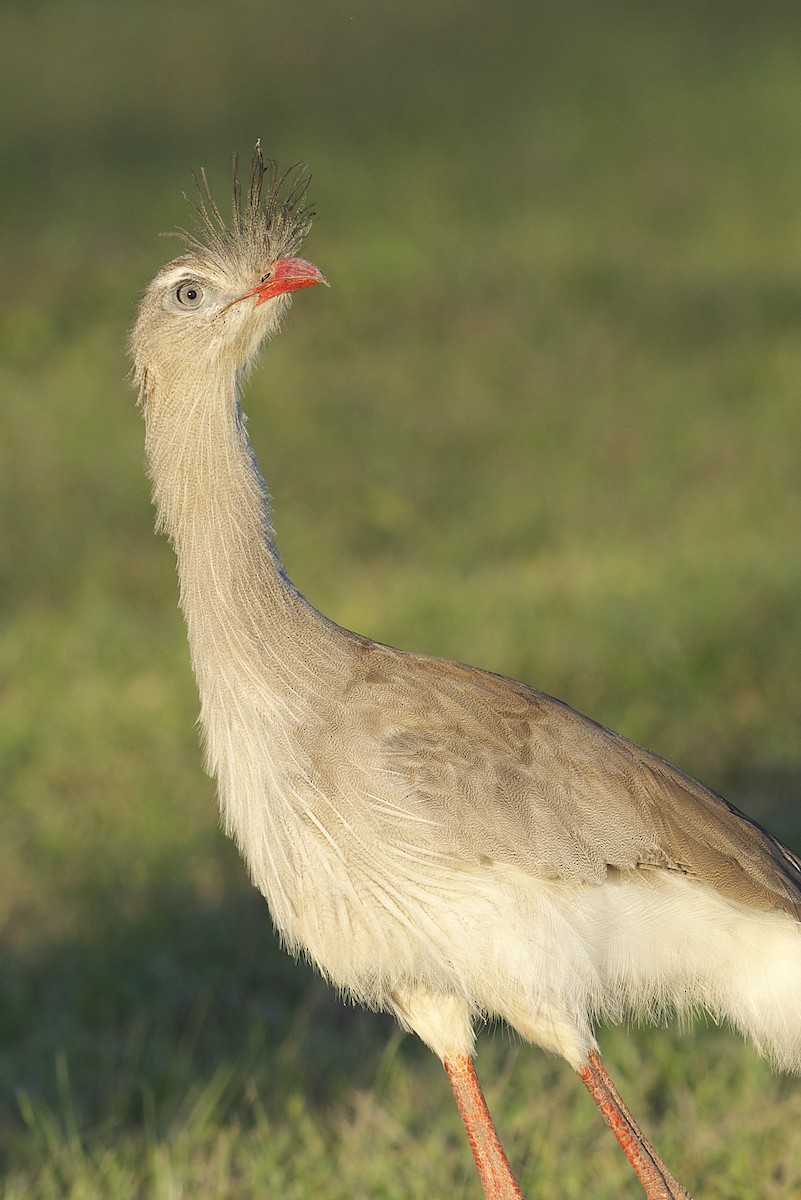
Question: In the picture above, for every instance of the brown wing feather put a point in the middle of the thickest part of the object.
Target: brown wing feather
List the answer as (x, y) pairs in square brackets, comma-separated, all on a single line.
[(519, 777)]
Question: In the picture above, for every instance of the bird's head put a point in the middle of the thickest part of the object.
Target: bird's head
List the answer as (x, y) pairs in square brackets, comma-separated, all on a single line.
[(209, 311)]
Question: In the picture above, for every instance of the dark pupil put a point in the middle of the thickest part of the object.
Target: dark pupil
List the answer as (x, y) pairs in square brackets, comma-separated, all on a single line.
[(191, 294)]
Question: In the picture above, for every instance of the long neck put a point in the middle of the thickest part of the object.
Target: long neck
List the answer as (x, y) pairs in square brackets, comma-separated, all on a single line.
[(248, 626)]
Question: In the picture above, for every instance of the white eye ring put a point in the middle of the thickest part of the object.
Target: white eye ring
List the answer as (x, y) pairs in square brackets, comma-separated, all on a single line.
[(189, 294)]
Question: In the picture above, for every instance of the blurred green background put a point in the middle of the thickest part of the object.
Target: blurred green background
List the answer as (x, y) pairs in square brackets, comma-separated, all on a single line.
[(546, 421)]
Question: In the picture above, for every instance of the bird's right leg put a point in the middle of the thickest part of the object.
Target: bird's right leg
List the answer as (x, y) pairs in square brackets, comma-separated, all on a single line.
[(493, 1166), (443, 1022), (657, 1180)]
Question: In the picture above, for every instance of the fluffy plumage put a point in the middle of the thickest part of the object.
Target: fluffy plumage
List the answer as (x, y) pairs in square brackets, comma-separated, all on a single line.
[(441, 842)]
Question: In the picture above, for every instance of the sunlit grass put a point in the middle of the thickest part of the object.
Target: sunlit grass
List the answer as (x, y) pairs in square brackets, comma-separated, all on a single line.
[(388, 1130)]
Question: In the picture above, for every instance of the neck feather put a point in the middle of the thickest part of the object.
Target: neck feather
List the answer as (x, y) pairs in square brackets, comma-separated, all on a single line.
[(246, 622)]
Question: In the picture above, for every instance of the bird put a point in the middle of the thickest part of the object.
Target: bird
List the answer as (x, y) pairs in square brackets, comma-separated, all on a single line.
[(442, 843)]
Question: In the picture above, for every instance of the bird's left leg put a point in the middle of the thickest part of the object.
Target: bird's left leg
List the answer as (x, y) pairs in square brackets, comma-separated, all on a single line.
[(656, 1179), (493, 1166)]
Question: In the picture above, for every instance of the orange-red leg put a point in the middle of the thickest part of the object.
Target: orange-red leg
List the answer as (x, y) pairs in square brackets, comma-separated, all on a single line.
[(656, 1179), (493, 1166)]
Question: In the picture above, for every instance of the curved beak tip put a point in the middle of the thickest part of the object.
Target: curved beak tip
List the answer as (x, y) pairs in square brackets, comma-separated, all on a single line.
[(289, 275)]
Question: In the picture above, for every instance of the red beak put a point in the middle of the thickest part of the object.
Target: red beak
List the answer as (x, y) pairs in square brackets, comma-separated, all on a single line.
[(286, 275)]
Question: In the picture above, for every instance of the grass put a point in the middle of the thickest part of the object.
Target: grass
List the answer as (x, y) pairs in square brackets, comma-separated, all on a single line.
[(545, 421)]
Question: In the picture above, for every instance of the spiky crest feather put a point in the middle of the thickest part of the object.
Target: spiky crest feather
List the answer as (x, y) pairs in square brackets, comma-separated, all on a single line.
[(273, 222)]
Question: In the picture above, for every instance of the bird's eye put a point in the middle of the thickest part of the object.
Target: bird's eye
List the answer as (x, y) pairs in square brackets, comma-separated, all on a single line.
[(267, 275), (189, 295)]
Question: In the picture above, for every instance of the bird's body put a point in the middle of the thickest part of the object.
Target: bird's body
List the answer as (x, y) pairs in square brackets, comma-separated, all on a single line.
[(441, 842)]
